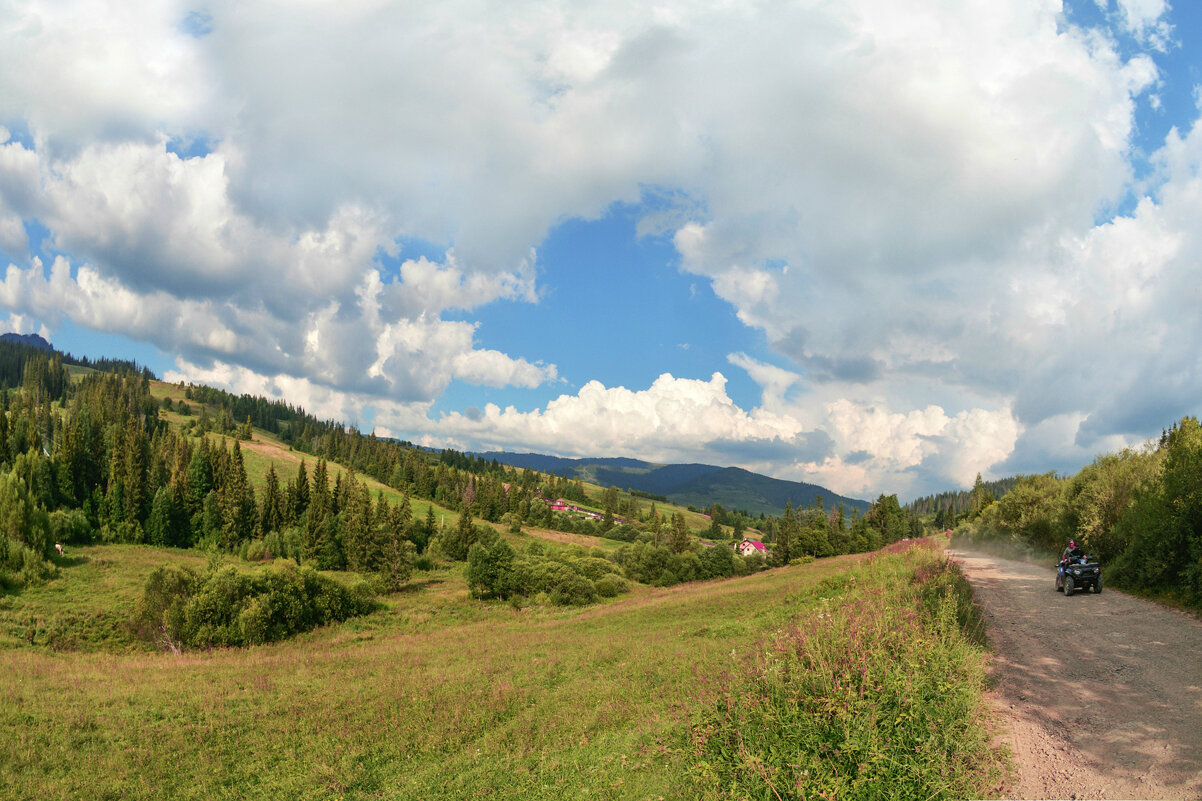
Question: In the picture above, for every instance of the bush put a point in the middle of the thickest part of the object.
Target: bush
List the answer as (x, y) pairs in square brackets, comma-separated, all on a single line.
[(179, 608), (70, 526), (490, 570), (257, 551), (754, 562), (717, 561), (592, 567), (573, 590), (611, 586)]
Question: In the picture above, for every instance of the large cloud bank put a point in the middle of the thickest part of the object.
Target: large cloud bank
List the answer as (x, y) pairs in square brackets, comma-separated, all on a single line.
[(916, 204)]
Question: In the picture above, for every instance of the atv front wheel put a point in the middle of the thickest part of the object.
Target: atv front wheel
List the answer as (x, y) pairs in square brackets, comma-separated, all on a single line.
[(1068, 586), (1097, 585)]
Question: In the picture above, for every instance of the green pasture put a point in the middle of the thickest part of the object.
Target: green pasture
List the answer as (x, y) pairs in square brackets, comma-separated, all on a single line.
[(432, 695)]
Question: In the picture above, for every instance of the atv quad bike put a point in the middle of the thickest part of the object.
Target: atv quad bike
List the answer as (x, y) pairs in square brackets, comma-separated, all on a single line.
[(1078, 573)]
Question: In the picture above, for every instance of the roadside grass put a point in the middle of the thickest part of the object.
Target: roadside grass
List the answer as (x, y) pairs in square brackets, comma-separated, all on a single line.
[(878, 693)]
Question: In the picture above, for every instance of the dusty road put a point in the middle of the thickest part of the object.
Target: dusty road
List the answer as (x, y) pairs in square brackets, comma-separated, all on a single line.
[(1100, 695)]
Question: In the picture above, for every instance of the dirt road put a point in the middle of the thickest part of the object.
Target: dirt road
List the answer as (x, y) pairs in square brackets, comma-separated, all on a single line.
[(1100, 695)]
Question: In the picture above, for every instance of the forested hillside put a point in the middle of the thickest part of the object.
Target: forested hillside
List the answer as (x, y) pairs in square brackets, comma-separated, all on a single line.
[(114, 457)]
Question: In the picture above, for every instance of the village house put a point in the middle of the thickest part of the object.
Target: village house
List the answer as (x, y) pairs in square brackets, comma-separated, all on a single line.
[(561, 505), (748, 547)]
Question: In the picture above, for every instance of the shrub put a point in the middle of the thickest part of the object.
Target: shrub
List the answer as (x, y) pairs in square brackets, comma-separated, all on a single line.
[(754, 562), (592, 567), (257, 551), (611, 586), (179, 608), (717, 561), (490, 570), (70, 526), (573, 590)]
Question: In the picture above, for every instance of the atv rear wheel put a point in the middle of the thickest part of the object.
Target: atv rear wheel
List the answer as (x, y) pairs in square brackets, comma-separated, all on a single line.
[(1068, 586)]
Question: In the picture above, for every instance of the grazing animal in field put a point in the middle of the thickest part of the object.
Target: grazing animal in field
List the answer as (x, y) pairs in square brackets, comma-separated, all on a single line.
[(58, 548)]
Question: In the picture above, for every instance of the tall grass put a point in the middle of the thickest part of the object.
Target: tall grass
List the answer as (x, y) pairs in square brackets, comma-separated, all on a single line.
[(877, 693)]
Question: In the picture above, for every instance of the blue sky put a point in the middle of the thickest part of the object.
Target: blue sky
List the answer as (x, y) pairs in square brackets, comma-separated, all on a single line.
[(873, 245)]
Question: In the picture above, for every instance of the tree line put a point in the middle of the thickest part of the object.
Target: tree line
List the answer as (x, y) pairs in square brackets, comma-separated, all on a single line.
[(1139, 511)]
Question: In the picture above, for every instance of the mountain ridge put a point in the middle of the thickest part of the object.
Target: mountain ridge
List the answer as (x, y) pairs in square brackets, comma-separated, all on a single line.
[(32, 340), (686, 484)]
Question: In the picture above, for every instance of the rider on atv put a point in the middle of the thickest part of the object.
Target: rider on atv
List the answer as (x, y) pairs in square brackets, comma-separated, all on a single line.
[(1077, 571)]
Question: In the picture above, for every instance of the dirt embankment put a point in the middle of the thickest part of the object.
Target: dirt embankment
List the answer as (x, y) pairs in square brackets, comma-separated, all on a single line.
[(1100, 695)]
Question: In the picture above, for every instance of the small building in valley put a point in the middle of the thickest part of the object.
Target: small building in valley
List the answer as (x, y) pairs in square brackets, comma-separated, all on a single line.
[(748, 547)]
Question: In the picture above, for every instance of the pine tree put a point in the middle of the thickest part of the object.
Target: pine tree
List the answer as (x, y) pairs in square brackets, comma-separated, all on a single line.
[(355, 527), (980, 495), (679, 539), (301, 496), (456, 544), (158, 523), (397, 553), (200, 476), (134, 470), (786, 537), (237, 503), (271, 516), (318, 509)]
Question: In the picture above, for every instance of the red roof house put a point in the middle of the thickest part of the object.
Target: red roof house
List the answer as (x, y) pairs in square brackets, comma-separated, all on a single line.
[(748, 547)]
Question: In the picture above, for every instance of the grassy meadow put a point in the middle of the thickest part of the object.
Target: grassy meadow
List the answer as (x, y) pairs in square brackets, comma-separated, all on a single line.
[(434, 694)]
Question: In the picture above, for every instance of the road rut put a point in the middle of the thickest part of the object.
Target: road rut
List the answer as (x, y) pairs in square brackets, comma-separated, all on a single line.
[(1100, 696)]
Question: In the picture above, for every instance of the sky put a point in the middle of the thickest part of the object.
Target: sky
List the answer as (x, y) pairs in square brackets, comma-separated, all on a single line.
[(875, 245)]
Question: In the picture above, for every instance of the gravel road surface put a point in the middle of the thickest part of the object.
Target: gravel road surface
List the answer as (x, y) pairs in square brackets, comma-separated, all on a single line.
[(1100, 696)]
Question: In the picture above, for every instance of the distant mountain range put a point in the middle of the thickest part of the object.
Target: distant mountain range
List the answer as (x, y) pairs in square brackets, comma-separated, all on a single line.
[(32, 340), (698, 485)]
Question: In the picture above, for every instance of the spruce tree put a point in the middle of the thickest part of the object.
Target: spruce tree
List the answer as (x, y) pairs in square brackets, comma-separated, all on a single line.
[(301, 496), (316, 528), (786, 537), (237, 504), (271, 516), (679, 538)]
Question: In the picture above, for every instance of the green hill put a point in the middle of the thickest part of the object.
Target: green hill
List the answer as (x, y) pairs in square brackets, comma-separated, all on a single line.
[(698, 485)]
